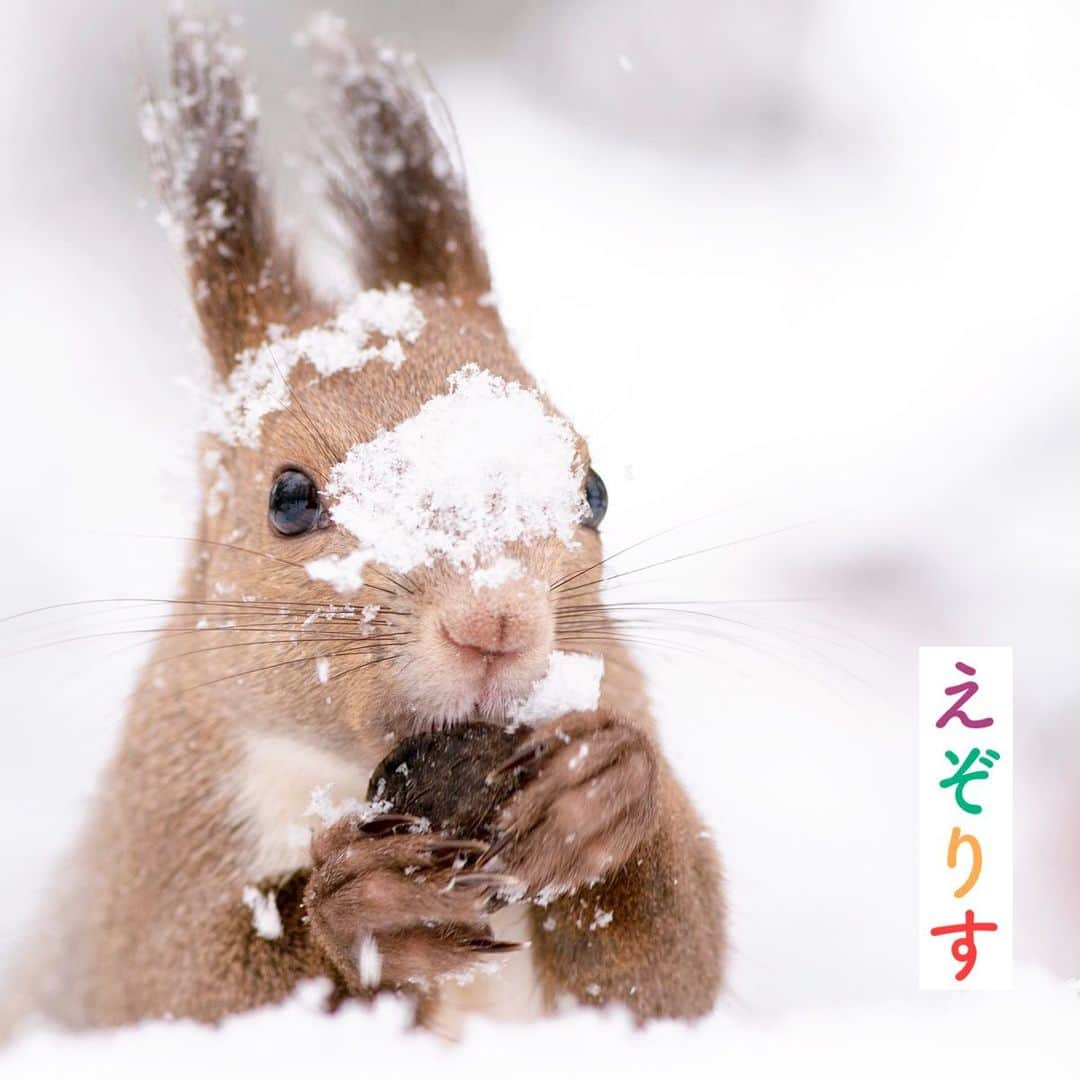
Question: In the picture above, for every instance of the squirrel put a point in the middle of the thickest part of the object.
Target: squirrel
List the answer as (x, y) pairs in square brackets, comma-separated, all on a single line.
[(273, 677)]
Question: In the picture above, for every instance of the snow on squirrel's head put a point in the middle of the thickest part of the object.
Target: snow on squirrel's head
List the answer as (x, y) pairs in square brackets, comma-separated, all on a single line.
[(389, 502)]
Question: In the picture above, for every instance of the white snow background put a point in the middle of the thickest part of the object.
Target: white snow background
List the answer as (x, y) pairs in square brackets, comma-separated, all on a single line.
[(789, 265)]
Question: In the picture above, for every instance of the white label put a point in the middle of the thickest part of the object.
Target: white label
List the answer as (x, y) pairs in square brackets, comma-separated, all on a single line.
[(965, 817)]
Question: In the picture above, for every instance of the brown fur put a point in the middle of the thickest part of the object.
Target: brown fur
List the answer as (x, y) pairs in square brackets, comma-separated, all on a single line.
[(394, 179), (202, 152), (662, 954), (148, 918)]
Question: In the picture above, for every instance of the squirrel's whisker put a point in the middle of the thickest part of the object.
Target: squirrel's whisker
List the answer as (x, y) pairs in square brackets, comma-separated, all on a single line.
[(690, 555)]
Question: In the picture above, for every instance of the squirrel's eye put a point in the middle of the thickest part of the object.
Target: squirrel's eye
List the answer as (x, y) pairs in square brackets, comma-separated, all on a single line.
[(596, 497), (294, 503)]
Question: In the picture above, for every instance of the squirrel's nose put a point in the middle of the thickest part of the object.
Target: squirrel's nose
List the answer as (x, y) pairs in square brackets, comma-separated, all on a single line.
[(490, 631)]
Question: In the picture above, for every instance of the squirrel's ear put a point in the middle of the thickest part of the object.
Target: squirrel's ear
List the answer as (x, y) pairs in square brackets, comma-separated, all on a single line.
[(391, 166), (201, 137)]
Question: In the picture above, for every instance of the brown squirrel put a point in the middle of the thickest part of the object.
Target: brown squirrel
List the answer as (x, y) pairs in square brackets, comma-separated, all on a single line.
[(200, 817)]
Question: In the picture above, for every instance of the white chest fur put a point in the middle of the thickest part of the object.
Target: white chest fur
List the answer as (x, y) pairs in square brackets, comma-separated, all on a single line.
[(272, 793), (509, 991)]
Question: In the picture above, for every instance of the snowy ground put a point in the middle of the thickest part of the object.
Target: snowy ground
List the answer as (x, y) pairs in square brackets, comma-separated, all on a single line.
[(978, 1035), (861, 328)]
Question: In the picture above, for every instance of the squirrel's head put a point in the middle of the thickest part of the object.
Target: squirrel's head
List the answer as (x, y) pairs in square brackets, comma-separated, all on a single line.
[(398, 531)]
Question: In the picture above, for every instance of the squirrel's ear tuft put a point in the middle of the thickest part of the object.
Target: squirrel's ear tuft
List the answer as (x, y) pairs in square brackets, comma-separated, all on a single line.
[(391, 166), (201, 135)]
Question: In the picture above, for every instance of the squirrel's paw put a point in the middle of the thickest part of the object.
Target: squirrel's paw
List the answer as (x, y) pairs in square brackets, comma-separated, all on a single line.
[(395, 909), (589, 801)]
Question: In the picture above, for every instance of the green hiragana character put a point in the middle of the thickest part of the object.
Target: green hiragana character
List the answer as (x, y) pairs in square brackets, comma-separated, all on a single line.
[(965, 774)]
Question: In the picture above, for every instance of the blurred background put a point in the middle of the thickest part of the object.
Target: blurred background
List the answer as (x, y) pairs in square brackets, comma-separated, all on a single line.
[(805, 274)]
